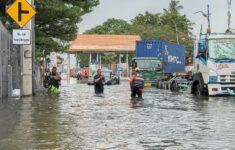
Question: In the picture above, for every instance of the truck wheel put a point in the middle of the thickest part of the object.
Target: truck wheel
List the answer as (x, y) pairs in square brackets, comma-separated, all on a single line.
[(118, 80), (157, 85), (160, 85), (167, 86), (174, 87), (198, 90)]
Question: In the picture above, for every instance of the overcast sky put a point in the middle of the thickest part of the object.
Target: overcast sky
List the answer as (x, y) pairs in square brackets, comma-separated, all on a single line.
[(128, 9)]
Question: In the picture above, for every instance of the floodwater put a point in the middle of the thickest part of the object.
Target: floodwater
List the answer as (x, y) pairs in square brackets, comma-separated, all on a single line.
[(77, 119)]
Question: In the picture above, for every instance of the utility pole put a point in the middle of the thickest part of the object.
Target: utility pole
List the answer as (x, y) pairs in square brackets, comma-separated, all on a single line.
[(208, 16), (43, 70), (229, 14), (27, 61), (176, 32)]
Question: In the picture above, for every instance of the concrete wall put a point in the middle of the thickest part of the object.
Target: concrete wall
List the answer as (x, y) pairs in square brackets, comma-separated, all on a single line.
[(9, 58), (4, 53)]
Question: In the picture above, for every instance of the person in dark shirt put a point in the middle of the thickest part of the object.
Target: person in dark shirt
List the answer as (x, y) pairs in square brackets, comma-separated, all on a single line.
[(55, 78), (99, 81)]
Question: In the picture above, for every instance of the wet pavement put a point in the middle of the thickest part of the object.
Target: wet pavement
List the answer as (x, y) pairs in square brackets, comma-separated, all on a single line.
[(78, 119)]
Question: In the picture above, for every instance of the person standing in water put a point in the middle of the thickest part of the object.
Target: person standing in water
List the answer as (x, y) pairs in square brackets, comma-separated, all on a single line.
[(99, 81), (137, 84)]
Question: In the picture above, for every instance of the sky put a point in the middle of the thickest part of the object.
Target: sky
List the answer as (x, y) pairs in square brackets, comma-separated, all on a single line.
[(128, 9)]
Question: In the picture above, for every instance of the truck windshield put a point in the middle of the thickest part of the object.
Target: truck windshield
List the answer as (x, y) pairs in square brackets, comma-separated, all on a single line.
[(154, 65), (222, 49)]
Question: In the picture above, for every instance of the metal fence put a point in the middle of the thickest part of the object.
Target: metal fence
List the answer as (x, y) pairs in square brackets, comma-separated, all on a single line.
[(10, 76)]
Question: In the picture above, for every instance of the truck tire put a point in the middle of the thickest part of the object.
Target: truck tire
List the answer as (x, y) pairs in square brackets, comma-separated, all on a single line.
[(157, 85), (198, 86), (160, 85), (118, 80), (174, 87), (198, 90)]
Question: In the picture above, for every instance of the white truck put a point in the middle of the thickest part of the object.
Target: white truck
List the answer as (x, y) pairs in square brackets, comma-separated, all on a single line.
[(214, 65)]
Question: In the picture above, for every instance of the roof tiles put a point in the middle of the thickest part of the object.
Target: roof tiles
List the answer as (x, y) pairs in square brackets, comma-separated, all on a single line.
[(104, 43)]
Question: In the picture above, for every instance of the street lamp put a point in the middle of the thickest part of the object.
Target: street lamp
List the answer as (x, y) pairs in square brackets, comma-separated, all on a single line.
[(206, 15)]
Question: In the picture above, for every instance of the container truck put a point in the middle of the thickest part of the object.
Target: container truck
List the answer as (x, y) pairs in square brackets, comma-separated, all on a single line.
[(214, 68), (158, 58)]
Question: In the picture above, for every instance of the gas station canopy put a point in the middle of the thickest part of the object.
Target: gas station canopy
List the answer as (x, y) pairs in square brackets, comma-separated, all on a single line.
[(92, 43)]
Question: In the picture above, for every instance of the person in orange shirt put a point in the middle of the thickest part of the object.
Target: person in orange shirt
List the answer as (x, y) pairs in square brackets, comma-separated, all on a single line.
[(137, 84)]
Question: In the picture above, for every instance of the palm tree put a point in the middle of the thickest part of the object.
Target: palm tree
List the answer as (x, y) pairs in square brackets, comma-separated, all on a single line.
[(174, 7)]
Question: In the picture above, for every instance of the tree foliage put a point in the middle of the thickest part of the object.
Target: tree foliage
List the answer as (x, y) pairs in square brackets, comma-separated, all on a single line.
[(109, 59), (83, 60), (111, 26), (147, 19), (174, 7), (55, 22)]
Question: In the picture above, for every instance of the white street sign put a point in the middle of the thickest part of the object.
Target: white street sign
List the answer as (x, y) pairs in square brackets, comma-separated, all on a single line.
[(53, 60), (21, 37)]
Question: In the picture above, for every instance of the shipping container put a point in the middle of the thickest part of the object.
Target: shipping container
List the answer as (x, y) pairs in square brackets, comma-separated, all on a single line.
[(171, 54)]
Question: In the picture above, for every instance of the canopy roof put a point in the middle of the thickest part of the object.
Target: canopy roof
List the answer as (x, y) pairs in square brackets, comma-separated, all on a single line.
[(104, 43)]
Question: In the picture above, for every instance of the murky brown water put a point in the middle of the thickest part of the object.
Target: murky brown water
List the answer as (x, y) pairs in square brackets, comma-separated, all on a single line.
[(78, 119)]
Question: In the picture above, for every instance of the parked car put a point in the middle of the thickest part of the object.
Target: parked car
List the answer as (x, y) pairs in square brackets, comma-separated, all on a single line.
[(110, 78)]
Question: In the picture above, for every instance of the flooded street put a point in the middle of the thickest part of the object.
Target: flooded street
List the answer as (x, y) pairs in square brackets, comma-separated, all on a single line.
[(78, 119)]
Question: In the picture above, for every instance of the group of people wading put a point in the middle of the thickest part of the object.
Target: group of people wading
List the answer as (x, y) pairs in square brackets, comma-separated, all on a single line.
[(52, 82)]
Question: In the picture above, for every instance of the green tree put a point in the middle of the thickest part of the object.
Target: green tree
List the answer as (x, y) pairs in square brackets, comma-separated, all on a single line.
[(55, 23), (177, 22), (147, 19), (174, 7), (83, 60), (109, 59), (111, 26)]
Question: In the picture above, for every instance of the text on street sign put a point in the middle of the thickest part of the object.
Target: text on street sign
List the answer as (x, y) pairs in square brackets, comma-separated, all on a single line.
[(21, 37)]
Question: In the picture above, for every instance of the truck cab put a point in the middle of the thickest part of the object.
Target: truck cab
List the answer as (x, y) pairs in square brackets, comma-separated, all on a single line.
[(151, 69), (214, 65)]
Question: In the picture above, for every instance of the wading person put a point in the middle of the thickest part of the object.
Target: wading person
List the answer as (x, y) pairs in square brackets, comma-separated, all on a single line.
[(54, 82), (137, 84), (99, 81)]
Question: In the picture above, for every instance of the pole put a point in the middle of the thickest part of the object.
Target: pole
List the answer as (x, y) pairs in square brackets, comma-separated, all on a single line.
[(176, 31), (229, 14), (127, 75), (43, 63), (97, 57), (33, 55), (90, 58), (208, 16), (27, 62), (200, 32), (68, 67), (127, 58), (100, 60)]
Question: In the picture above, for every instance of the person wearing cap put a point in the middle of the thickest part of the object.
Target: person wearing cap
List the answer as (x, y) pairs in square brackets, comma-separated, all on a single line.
[(137, 84)]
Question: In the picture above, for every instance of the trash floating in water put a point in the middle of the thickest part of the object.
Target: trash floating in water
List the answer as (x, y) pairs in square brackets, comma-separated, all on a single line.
[(15, 92)]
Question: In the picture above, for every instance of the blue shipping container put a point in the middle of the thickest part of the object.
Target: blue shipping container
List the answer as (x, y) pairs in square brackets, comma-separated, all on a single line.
[(171, 54)]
